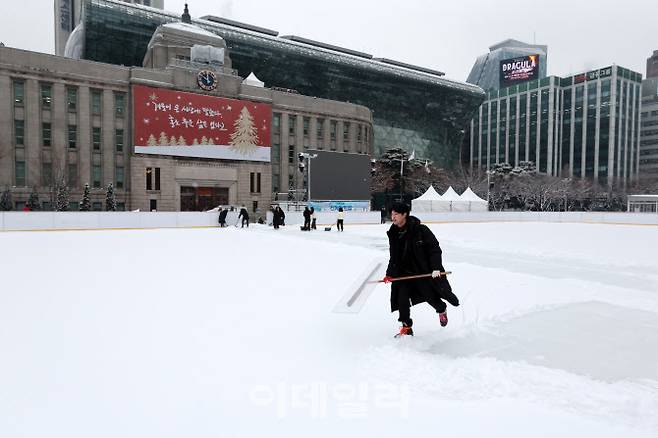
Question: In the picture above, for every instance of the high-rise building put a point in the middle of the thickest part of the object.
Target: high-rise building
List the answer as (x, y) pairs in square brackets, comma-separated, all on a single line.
[(498, 68), (414, 107), (649, 130), (652, 65), (69, 12), (584, 126)]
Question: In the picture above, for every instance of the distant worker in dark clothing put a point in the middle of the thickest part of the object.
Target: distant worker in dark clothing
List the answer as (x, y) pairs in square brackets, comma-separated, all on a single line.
[(245, 216), (414, 250), (222, 217), (383, 214), (307, 219), (277, 217), (313, 219), (340, 219)]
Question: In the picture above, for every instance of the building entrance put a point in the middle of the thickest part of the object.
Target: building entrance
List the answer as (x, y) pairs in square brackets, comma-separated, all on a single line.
[(202, 198)]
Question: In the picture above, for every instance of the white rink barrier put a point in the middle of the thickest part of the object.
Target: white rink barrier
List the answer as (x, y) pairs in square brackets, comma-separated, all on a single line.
[(24, 221)]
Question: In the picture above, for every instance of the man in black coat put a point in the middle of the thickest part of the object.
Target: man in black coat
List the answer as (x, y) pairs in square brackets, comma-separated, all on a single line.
[(307, 219), (245, 217), (414, 250), (222, 217)]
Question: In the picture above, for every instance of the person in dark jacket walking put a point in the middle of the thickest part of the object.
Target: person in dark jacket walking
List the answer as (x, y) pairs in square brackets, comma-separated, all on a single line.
[(222, 217), (414, 250), (383, 215), (245, 217)]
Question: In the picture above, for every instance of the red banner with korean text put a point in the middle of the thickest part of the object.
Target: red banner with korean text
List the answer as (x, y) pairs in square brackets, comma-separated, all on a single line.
[(170, 122)]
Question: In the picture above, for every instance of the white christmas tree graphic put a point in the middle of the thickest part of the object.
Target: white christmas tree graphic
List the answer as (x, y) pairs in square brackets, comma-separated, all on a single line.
[(204, 140), (195, 142), (172, 140), (152, 141), (164, 141), (245, 137), (211, 141), (181, 141)]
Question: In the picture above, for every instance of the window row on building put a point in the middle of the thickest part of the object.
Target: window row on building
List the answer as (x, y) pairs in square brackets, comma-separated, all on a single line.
[(71, 96)]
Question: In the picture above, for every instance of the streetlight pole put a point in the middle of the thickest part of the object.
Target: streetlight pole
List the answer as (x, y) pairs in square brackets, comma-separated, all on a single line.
[(308, 157)]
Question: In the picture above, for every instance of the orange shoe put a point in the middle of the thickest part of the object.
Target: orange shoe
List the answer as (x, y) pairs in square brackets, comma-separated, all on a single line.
[(405, 331)]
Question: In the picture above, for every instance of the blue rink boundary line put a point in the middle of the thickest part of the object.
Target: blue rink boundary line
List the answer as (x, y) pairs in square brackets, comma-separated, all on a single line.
[(191, 227)]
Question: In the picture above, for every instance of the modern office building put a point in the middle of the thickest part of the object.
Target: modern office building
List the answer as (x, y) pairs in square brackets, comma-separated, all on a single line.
[(413, 107), (584, 126), (183, 132), (486, 70), (69, 12), (649, 123)]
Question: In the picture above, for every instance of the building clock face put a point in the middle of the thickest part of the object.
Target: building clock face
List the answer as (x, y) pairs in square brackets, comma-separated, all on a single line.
[(207, 80)]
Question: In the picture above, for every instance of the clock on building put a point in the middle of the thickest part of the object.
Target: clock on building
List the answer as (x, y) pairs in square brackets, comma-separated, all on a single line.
[(207, 80)]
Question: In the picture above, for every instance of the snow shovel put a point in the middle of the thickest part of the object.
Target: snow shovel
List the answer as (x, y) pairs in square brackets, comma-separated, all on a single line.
[(412, 277), (362, 287)]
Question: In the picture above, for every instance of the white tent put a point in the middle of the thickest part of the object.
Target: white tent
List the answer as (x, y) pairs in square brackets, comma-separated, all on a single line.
[(451, 201), (426, 202), (475, 203)]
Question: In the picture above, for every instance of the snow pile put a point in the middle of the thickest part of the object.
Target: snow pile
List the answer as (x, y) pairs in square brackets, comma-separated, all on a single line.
[(230, 332)]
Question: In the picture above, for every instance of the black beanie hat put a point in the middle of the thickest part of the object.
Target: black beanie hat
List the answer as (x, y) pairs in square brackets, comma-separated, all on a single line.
[(400, 207)]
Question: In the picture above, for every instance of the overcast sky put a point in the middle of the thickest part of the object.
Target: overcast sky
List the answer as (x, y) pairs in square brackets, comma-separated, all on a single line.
[(446, 36)]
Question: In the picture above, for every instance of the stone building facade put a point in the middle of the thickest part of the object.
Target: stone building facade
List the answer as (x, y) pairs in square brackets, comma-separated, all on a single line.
[(72, 120)]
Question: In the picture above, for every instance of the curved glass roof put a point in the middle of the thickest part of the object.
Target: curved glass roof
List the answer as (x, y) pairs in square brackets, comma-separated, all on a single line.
[(412, 108)]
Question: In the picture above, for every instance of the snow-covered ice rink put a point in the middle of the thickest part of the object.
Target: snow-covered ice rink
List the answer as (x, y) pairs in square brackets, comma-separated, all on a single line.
[(231, 333)]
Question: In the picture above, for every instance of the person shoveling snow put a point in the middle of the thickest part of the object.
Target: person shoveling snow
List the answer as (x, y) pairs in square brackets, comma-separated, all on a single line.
[(414, 251)]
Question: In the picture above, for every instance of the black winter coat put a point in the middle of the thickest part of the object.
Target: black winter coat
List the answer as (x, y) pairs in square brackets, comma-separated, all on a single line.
[(416, 251)]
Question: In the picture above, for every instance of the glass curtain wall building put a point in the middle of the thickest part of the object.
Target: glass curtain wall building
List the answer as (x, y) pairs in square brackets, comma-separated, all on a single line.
[(413, 107), (584, 126)]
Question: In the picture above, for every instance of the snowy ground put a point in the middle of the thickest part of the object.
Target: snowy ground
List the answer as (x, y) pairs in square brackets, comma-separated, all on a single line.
[(230, 332)]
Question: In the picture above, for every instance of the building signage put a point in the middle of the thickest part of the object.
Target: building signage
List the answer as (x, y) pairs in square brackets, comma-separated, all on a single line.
[(597, 74), (517, 70), (593, 75), (66, 15), (170, 122)]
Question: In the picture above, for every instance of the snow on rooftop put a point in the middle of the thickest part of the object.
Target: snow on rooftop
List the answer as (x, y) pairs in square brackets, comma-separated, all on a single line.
[(190, 28)]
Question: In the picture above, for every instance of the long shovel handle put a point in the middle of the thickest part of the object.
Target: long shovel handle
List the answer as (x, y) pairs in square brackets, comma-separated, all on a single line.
[(412, 277)]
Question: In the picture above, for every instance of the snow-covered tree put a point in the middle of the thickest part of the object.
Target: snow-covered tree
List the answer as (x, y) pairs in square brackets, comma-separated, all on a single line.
[(152, 141), (245, 137), (5, 201), (110, 200), (62, 199), (85, 203), (33, 200)]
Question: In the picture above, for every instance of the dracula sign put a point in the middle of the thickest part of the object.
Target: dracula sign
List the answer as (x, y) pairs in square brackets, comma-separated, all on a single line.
[(517, 70), (170, 122)]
